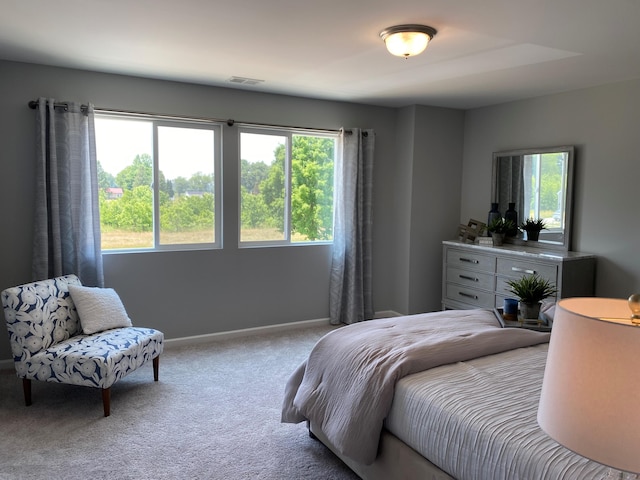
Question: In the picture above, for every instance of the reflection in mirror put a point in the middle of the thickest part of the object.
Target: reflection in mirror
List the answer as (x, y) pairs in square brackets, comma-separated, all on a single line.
[(539, 183)]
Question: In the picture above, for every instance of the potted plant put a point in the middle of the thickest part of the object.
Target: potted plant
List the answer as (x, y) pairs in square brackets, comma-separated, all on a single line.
[(533, 227), (531, 290), (498, 228)]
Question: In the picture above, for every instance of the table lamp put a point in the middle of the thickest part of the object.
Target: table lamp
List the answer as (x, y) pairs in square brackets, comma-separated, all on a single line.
[(590, 399)]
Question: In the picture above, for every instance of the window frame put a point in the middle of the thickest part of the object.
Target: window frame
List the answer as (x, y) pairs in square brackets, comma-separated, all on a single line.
[(288, 133), (536, 193), (216, 127)]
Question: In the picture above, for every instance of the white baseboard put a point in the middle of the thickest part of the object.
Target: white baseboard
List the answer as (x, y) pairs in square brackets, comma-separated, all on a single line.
[(211, 337), (6, 365)]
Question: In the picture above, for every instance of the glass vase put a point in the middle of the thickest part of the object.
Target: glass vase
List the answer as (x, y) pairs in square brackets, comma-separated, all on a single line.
[(512, 214), (493, 213)]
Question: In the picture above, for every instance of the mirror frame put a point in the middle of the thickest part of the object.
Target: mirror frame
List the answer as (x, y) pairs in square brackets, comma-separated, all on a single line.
[(565, 245)]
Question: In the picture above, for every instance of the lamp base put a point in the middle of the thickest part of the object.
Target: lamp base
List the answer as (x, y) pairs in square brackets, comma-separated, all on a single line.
[(614, 474)]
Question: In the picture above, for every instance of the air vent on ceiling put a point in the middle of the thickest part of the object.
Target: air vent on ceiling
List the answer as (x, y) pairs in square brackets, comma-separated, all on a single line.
[(245, 81)]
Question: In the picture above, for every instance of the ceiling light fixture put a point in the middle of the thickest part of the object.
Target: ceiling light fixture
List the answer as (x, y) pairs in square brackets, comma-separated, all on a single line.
[(407, 40)]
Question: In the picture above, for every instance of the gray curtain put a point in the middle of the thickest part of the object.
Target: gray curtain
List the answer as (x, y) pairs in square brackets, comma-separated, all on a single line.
[(510, 183), (350, 292), (67, 218)]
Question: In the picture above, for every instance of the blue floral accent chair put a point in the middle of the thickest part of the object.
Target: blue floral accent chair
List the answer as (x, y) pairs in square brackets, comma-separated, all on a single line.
[(48, 342)]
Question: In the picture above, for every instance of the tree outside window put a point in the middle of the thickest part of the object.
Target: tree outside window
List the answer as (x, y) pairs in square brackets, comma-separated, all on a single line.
[(276, 162)]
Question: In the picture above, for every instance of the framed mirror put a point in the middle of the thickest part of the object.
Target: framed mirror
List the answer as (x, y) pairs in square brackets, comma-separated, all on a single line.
[(539, 184)]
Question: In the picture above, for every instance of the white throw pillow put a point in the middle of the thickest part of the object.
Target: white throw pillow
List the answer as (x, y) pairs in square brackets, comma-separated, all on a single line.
[(99, 309)]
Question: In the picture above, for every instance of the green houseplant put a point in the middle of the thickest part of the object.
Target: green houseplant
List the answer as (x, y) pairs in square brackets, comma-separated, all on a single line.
[(531, 290), (533, 227), (498, 228)]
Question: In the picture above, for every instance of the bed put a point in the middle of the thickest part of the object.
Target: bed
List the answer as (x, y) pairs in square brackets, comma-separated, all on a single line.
[(443, 395)]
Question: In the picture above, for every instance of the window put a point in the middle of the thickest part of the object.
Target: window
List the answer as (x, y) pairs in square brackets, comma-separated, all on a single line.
[(158, 182), (544, 175), (286, 186)]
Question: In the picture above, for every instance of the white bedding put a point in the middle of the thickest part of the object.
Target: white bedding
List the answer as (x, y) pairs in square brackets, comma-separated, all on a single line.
[(477, 420), (346, 386)]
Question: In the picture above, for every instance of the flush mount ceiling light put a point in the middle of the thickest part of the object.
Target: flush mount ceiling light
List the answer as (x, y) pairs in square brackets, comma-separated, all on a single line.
[(407, 40)]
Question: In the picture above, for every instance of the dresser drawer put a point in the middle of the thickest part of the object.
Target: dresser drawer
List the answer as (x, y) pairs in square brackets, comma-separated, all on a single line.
[(503, 288), (515, 268), (471, 260), (470, 278), (470, 296)]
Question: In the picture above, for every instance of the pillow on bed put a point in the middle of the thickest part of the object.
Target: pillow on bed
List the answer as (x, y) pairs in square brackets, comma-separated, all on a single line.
[(99, 309)]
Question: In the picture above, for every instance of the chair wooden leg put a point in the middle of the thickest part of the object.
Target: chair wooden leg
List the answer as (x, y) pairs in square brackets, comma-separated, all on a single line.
[(156, 365), (106, 401), (26, 387)]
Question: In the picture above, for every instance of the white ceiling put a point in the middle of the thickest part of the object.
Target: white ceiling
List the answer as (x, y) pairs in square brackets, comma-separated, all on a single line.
[(485, 52)]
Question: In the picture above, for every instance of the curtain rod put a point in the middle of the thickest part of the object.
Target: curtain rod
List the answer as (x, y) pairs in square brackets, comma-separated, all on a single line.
[(33, 104)]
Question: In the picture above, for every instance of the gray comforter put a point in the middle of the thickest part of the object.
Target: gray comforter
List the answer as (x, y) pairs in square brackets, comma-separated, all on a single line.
[(346, 385)]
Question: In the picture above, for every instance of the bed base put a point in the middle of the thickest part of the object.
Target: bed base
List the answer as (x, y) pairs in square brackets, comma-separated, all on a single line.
[(395, 460)]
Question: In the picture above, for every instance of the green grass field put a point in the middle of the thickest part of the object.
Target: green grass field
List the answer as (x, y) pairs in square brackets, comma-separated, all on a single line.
[(113, 239)]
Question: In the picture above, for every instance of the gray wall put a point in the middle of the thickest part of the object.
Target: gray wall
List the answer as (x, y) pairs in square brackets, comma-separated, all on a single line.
[(435, 175), (432, 171), (200, 292), (604, 125), (431, 140)]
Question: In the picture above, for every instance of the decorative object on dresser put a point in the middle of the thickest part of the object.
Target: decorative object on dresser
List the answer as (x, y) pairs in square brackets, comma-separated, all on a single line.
[(471, 231), (531, 290), (510, 309), (476, 276), (590, 386), (484, 241), (494, 214), (499, 228), (533, 227), (512, 215)]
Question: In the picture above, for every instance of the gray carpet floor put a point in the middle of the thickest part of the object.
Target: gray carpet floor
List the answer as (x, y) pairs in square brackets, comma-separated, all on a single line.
[(214, 414)]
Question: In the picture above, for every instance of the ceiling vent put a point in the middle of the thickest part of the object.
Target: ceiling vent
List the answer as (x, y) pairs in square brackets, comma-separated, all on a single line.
[(245, 81)]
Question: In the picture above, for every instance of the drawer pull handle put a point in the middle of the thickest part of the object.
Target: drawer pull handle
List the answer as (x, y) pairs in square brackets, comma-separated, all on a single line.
[(523, 270), (466, 277), (469, 260), (468, 295)]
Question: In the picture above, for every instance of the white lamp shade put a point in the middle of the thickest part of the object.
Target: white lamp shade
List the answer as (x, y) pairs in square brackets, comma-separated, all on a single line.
[(591, 389)]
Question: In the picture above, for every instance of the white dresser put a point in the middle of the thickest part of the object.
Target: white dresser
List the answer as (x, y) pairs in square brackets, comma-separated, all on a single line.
[(475, 276)]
